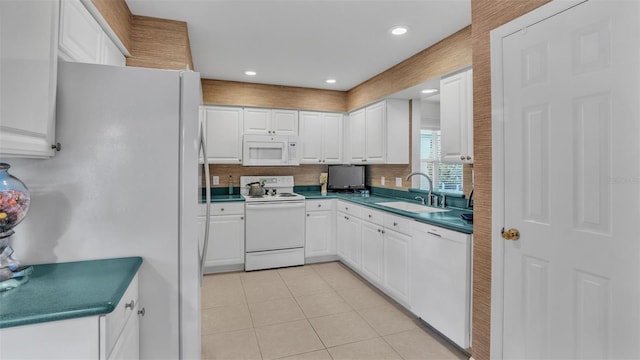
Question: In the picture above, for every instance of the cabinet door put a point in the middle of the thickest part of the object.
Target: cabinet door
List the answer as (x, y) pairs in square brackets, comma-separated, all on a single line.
[(311, 128), (320, 237), (226, 240), (342, 235), (81, 37), (357, 137), (111, 55), (456, 121), (349, 240), (354, 242), (28, 69), (332, 138), (375, 133), (397, 266), (224, 134), (397, 131), (284, 122), (372, 251), (257, 121), (128, 345)]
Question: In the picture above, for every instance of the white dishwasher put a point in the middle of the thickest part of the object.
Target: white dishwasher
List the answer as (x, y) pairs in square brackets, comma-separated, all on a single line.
[(274, 224), (441, 281)]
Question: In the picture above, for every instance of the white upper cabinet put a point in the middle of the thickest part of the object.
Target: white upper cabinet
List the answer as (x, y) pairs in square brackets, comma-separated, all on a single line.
[(28, 69), (321, 137), (270, 121), (356, 139), (223, 129), (456, 117), (379, 133), (284, 122), (375, 133), (82, 39)]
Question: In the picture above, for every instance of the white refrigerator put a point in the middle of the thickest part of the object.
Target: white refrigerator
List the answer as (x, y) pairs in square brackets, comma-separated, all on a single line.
[(124, 184)]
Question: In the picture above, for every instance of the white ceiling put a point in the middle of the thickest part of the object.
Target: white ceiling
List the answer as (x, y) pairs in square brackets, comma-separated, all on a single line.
[(304, 42)]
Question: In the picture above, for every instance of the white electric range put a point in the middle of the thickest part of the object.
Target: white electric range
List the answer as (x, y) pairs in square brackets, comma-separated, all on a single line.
[(274, 225)]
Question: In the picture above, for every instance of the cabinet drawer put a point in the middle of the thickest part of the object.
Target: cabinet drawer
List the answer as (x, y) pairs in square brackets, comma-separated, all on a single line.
[(373, 216), (116, 320), (399, 224), (319, 205), (223, 208), (350, 208)]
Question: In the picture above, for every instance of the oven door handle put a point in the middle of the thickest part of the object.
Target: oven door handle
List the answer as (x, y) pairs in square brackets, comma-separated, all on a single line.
[(269, 206)]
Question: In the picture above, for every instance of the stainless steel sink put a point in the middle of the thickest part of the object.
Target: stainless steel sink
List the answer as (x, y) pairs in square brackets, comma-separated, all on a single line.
[(406, 206)]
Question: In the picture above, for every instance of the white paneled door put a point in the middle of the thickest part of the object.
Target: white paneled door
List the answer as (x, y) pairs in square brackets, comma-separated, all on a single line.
[(572, 184)]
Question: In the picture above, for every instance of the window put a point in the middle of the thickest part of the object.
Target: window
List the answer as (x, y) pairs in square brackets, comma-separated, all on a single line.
[(446, 177)]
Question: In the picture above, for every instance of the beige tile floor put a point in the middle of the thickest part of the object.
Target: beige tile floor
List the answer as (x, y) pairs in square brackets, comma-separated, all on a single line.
[(319, 311)]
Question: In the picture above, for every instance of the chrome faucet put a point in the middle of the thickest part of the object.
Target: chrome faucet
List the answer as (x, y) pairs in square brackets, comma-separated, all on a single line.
[(429, 197), (422, 200), (470, 199)]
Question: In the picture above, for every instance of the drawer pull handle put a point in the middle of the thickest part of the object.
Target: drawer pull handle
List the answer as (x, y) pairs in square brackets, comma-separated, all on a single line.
[(370, 216), (241, 217), (395, 223), (221, 209), (307, 214), (319, 205), (141, 312), (130, 305), (438, 235)]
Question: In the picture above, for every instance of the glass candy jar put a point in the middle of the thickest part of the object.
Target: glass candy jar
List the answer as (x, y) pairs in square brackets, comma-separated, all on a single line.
[(14, 205)]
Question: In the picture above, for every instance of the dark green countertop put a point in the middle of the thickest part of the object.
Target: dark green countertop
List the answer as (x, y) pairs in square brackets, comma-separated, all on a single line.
[(68, 290), (449, 220)]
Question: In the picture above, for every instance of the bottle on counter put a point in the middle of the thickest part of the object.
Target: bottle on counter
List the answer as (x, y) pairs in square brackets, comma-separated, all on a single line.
[(230, 185)]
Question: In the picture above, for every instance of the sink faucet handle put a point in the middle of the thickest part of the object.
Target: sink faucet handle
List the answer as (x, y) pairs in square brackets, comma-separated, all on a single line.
[(443, 202), (433, 200), (422, 200)]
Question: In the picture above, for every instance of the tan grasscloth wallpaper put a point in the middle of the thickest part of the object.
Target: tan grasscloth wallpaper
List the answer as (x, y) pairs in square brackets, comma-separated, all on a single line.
[(165, 44)]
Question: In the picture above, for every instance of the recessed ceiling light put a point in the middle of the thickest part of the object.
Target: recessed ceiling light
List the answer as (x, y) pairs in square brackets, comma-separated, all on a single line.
[(250, 73), (399, 30), (330, 81), (429, 91)]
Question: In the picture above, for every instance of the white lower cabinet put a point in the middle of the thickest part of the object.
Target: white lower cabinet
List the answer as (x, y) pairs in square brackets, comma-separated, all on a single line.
[(349, 233), (320, 230), (397, 266), (372, 244), (111, 336), (441, 289), (225, 250), (372, 251), (378, 246)]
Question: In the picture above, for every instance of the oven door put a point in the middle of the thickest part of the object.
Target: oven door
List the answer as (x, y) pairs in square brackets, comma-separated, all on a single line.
[(265, 150), (274, 225)]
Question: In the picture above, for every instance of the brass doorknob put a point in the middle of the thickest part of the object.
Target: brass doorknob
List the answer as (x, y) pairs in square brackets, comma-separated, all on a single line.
[(511, 234)]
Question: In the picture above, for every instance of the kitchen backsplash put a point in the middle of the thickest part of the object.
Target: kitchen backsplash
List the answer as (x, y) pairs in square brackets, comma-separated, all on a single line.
[(310, 174)]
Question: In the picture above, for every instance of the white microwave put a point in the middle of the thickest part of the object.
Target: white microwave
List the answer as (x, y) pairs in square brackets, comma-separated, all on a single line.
[(270, 150)]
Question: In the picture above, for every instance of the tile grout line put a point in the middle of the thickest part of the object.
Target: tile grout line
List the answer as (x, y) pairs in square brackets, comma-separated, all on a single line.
[(253, 327)]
